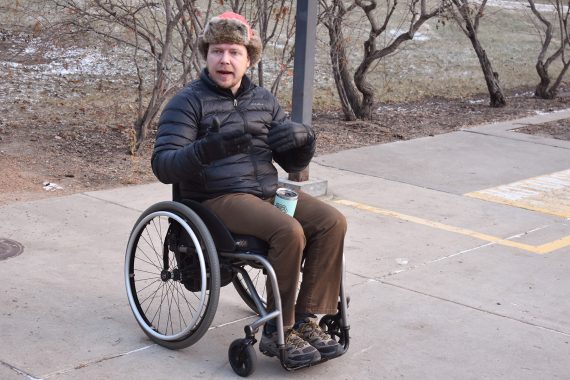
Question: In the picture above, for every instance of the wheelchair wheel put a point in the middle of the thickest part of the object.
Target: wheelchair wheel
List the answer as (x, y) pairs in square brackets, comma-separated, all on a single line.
[(172, 275), (242, 357), (331, 325), (259, 280)]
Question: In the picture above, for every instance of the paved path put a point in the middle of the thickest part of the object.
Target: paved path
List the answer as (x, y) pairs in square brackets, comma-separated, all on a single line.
[(458, 256)]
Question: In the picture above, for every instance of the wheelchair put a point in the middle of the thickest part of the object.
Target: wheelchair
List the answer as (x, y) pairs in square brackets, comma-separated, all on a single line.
[(179, 255)]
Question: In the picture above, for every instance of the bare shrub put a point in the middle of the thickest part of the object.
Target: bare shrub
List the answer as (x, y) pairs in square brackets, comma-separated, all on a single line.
[(355, 91), (165, 32)]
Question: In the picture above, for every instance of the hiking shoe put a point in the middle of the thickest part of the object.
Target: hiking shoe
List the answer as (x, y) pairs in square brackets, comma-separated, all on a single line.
[(297, 351), (312, 333)]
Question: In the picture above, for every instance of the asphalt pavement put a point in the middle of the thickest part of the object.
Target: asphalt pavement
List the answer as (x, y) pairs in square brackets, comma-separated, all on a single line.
[(458, 262)]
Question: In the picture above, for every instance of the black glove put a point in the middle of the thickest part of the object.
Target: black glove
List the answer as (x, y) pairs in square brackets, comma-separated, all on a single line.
[(289, 135), (216, 145)]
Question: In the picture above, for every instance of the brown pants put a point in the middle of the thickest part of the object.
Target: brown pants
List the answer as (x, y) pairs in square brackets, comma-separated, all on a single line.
[(317, 229)]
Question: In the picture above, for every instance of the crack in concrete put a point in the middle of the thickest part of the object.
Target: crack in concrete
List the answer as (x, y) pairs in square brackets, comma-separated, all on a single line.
[(521, 137), (19, 371), (91, 362)]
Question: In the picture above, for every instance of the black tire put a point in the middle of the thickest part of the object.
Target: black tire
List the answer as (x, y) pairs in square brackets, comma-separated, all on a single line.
[(242, 357), (331, 325), (173, 310), (259, 280)]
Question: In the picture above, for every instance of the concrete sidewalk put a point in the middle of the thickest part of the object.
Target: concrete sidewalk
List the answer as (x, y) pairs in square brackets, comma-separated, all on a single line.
[(458, 256)]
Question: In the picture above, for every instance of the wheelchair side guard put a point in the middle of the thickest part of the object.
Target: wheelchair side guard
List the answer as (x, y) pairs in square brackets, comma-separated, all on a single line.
[(221, 235), (224, 239)]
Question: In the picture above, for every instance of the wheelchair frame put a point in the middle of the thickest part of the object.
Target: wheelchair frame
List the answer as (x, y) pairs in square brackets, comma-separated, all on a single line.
[(159, 278)]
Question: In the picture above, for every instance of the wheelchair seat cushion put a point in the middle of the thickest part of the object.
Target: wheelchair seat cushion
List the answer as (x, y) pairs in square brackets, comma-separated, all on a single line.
[(248, 243)]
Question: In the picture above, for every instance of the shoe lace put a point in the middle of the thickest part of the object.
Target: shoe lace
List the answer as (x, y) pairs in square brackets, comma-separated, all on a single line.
[(294, 340), (311, 329)]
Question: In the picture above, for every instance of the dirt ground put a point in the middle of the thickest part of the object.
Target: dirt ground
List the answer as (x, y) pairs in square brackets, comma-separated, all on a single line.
[(63, 132), (80, 149)]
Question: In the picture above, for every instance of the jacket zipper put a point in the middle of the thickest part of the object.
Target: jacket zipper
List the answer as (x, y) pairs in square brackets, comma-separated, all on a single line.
[(253, 158)]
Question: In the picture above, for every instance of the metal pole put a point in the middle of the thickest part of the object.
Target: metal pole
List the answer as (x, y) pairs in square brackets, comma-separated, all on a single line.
[(303, 74)]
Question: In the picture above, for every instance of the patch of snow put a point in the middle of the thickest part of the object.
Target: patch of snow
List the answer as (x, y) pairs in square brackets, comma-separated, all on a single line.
[(13, 65), (421, 37), (418, 36), (527, 93), (549, 112), (32, 61), (30, 49), (86, 62), (61, 61), (50, 186), (520, 5)]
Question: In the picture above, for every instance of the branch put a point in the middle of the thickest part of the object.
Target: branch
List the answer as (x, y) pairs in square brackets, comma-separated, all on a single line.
[(547, 33), (479, 14)]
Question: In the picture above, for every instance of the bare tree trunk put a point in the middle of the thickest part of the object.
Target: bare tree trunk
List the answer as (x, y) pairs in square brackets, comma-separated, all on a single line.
[(468, 21), (364, 110), (347, 92), (545, 89), (541, 90), (142, 124), (349, 97), (497, 99), (260, 73)]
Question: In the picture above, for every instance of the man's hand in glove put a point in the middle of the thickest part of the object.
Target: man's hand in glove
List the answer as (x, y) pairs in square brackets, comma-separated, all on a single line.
[(289, 135), (216, 145)]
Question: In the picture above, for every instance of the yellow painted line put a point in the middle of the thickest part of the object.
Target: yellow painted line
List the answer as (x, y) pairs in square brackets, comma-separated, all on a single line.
[(553, 245), (541, 249), (548, 194)]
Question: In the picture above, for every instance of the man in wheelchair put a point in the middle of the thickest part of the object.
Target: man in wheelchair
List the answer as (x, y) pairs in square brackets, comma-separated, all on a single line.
[(217, 139)]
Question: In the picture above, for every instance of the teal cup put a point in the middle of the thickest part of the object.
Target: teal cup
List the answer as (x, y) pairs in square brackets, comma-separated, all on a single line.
[(286, 200)]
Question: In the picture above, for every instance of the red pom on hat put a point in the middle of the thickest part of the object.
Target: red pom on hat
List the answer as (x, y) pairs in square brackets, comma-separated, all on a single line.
[(235, 16)]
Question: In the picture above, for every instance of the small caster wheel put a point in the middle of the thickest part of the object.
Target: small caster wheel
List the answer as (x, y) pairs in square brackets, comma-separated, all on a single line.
[(242, 357)]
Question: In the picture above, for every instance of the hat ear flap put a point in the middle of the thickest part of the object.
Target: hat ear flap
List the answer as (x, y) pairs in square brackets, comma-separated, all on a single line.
[(254, 49)]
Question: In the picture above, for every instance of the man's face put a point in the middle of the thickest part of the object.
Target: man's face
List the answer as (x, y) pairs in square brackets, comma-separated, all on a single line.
[(227, 64)]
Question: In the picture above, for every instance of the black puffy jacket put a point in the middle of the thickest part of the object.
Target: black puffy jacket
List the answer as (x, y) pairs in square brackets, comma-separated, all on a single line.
[(187, 117)]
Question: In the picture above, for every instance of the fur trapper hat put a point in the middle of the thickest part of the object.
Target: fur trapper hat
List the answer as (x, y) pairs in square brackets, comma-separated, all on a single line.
[(230, 28)]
